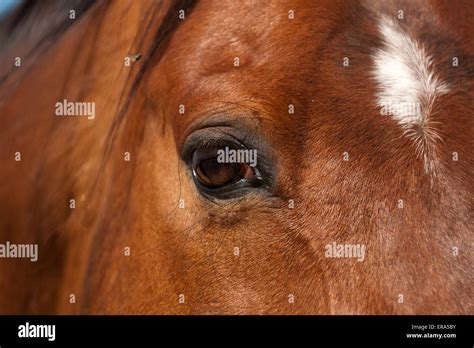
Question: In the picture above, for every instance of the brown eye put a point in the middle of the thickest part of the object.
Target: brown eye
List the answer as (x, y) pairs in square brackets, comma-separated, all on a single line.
[(222, 167), (212, 174)]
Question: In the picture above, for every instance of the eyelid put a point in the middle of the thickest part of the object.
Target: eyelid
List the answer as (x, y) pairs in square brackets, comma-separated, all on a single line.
[(225, 135), (215, 143), (209, 137)]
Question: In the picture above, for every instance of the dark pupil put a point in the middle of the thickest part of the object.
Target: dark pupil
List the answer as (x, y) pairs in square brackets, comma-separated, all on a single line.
[(212, 173)]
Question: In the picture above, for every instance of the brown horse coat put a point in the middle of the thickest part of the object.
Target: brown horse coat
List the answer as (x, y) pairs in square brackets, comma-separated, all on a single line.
[(138, 236)]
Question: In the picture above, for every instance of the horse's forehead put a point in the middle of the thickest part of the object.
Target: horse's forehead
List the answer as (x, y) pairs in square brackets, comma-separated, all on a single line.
[(233, 37), (248, 27), (233, 52)]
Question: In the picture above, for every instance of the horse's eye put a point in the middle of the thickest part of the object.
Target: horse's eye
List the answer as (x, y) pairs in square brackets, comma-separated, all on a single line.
[(211, 173), (215, 174)]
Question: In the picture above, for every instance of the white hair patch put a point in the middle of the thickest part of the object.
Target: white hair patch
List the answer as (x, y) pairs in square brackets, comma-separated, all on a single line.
[(407, 83)]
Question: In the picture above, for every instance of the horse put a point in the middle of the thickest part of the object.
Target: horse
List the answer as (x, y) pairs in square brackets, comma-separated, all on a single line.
[(237, 157)]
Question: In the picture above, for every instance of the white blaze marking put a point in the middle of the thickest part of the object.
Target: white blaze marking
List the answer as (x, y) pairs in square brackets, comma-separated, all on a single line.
[(404, 72)]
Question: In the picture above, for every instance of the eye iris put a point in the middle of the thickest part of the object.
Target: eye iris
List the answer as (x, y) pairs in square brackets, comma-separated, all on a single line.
[(209, 172)]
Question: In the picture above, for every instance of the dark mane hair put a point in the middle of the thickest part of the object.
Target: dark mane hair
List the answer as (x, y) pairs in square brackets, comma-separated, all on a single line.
[(41, 23), (33, 29), (38, 24), (44, 12), (154, 53)]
